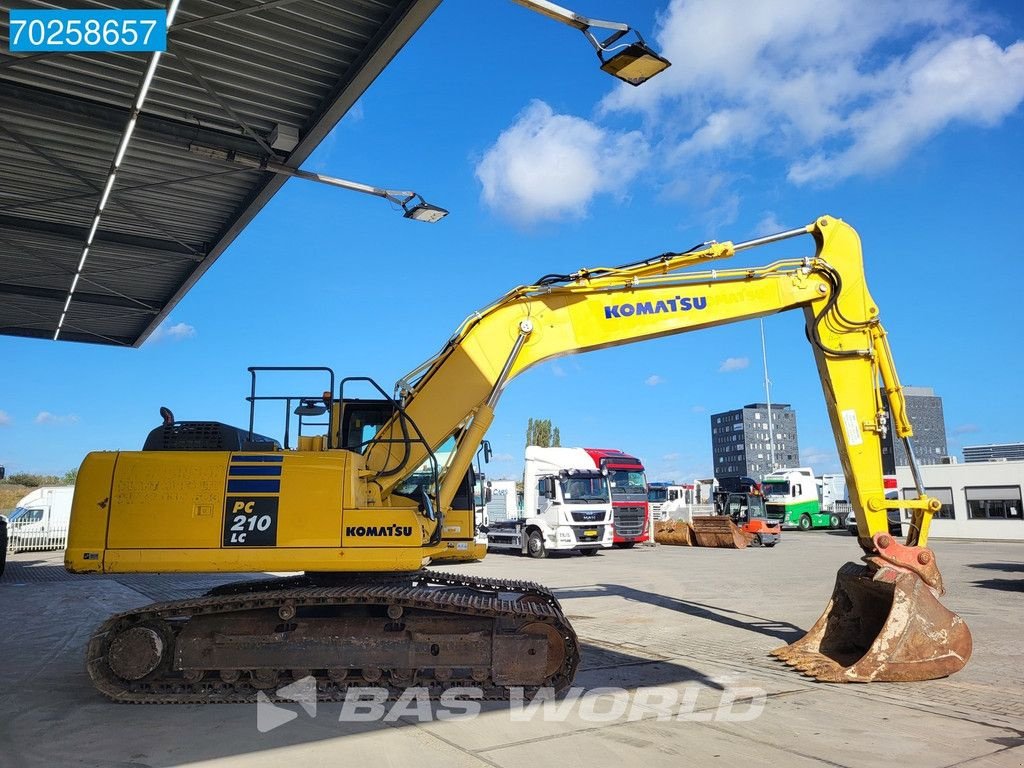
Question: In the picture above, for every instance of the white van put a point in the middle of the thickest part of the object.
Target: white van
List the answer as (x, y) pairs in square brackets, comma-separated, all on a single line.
[(40, 521)]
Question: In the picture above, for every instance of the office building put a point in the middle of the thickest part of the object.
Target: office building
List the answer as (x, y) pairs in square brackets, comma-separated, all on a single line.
[(924, 409), (741, 445), (994, 452)]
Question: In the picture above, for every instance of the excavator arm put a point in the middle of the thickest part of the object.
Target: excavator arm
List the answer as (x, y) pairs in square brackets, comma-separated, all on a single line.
[(884, 621), (455, 392)]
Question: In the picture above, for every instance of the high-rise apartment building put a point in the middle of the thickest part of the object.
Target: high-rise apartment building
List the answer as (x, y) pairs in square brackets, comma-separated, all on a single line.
[(924, 409), (741, 444)]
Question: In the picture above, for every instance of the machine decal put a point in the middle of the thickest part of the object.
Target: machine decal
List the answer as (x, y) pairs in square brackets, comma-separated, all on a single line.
[(250, 522), (250, 516), (378, 530), (853, 434), (254, 486), (264, 477), (678, 304)]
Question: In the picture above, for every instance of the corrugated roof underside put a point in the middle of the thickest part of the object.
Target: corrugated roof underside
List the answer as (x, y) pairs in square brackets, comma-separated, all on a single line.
[(229, 74)]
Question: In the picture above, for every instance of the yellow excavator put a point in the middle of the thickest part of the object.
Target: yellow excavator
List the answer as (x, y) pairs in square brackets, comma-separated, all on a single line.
[(361, 507)]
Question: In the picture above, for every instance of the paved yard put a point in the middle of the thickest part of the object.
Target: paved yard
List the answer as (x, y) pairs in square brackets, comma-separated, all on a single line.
[(681, 629)]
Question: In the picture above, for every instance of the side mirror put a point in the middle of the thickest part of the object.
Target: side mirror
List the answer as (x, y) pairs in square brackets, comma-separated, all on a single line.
[(487, 451), (549, 487), (310, 408), (426, 506)]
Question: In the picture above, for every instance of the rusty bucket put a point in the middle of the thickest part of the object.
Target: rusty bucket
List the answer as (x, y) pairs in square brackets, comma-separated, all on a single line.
[(884, 624), (718, 531), (673, 532)]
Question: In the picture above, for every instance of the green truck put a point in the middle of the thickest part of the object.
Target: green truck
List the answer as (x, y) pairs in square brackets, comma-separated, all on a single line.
[(791, 498)]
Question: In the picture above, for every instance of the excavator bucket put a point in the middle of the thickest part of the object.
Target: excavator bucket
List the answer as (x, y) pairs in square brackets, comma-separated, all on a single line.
[(674, 532), (718, 531), (882, 624)]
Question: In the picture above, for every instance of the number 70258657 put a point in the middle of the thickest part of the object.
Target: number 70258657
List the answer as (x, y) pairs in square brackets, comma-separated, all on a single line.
[(97, 31)]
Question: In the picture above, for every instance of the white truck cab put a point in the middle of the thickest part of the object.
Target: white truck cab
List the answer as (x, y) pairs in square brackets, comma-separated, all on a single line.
[(667, 501), (566, 506)]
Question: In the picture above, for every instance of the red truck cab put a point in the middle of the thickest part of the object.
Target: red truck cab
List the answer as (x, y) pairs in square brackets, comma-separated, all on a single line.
[(631, 516)]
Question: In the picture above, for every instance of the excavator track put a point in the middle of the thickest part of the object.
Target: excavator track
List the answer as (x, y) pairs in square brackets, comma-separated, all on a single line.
[(428, 630)]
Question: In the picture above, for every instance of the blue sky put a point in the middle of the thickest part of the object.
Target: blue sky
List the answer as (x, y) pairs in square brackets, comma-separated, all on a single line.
[(903, 119)]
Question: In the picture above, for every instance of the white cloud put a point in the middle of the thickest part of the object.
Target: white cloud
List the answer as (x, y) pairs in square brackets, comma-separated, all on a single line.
[(733, 364), (502, 457), (654, 380), (5, 419), (966, 429), (834, 88), (45, 417), (699, 409), (172, 332), (548, 166), (768, 225), (971, 81), (558, 371)]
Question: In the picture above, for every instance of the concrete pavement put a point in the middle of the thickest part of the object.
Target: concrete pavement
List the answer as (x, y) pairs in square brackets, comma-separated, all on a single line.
[(682, 630)]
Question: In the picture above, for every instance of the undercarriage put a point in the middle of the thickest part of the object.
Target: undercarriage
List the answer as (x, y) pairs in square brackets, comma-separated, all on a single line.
[(428, 629)]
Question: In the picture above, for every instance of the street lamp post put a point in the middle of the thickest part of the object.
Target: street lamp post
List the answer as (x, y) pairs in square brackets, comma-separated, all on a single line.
[(768, 402)]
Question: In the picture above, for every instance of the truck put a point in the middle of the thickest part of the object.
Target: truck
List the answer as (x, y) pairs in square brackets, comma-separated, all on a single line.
[(664, 500), (566, 506), (791, 498), (833, 498), (628, 484), (41, 519), (676, 501), (504, 503)]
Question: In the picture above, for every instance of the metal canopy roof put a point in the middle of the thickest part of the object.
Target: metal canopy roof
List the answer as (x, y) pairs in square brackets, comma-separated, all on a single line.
[(234, 70)]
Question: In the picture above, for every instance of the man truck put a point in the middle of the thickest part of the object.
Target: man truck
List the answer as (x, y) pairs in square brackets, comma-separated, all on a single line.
[(566, 506)]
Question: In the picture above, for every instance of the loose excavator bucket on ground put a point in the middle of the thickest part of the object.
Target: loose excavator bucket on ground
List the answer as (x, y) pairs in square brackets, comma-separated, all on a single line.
[(718, 531), (883, 624), (674, 532)]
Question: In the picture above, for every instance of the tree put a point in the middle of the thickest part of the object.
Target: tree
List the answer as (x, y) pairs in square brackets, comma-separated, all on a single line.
[(540, 432)]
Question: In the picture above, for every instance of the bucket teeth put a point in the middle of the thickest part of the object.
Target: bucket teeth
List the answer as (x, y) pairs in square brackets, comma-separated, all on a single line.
[(882, 624)]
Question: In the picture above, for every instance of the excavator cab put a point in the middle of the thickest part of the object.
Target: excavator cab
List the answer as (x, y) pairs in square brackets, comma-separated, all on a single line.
[(359, 420)]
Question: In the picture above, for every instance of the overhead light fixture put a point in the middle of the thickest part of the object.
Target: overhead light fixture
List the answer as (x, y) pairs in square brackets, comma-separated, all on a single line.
[(633, 63), (423, 211), (417, 211)]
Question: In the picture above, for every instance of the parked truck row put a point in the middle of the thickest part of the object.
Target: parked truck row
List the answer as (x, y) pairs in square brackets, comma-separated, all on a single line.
[(572, 499)]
